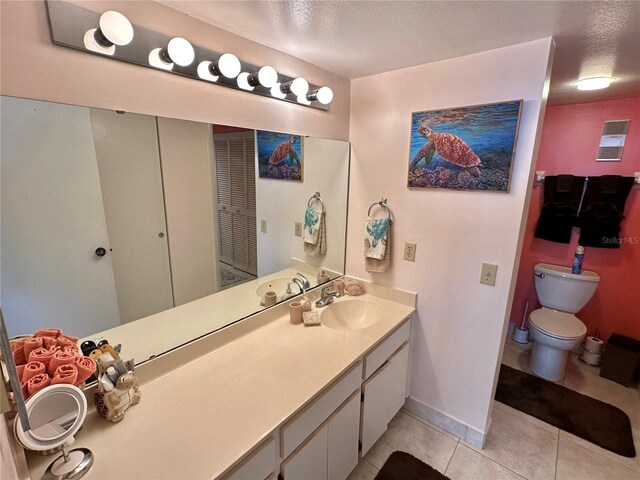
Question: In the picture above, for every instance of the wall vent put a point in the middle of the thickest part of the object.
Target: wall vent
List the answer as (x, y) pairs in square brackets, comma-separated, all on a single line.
[(612, 140)]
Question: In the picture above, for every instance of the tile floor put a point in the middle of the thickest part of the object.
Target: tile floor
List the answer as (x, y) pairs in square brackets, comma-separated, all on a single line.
[(518, 446)]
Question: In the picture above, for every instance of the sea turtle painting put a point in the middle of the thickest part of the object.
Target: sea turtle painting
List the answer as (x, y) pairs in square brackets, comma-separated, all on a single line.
[(285, 150), (464, 148), (450, 147), (280, 155)]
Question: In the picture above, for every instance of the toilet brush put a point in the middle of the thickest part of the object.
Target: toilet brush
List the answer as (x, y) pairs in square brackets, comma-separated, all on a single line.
[(521, 334)]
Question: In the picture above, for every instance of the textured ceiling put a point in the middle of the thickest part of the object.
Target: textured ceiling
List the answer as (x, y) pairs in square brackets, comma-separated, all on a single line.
[(360, 38)]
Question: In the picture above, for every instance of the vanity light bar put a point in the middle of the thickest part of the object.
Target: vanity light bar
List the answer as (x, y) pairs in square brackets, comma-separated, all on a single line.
[(112, 35)]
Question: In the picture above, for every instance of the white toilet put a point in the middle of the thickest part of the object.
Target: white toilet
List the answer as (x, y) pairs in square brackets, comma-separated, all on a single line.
[(555, 329)]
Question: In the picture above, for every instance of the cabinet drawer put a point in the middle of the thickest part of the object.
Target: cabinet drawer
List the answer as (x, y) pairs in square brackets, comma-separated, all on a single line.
[(300, 427), (259, 464), (382, 352), (384, 395)]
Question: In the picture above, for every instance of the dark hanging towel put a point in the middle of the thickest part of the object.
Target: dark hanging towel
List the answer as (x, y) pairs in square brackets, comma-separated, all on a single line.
[(559, 213), (602, 211)]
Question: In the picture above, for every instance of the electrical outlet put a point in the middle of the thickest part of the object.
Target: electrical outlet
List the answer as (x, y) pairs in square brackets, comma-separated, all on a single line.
[(410, 251), (298, 229), (488, 275), (263, 226)]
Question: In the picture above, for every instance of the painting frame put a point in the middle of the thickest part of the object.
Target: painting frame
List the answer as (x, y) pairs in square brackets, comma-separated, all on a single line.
[(457, 133), (280, 156)]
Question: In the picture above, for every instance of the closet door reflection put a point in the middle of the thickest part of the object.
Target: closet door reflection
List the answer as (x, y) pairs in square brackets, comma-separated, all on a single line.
[(235, 176), (131, 181)]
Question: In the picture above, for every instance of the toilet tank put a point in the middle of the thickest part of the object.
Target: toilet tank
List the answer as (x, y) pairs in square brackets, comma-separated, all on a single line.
[(562, 290)]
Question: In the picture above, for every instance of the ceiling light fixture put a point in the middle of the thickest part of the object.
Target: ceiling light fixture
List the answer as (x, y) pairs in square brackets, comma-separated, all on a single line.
[(276, 92), (323, 94), (114, 29), (178, 51), (266, 76), (298, 86), (594, 83), (227, 65)]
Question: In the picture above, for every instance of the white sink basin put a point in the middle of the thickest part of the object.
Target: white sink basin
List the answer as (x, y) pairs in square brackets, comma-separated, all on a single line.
[(350, 314), (278, 285)]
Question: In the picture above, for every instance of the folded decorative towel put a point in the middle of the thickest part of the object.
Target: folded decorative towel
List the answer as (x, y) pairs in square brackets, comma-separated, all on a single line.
[(66, 374), (86, 367), (311, 225), (17, 348), (31, 344), (48, 332), (378, 265), (61, 357), (375, 239), (37, 383), (43, 355), (32, 369), (320, 247)]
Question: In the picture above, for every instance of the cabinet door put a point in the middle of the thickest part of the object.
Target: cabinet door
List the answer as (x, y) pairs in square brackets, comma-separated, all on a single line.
[(309, 462), (343, 436), (384, 395)]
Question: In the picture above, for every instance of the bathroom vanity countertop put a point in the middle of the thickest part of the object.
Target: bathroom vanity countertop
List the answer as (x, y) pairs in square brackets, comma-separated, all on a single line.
[(199, 420)]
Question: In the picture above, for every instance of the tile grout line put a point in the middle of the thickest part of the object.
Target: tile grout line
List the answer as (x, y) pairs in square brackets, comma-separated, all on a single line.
[(432, 426), (367, 461), (451, 458), (555, 473)]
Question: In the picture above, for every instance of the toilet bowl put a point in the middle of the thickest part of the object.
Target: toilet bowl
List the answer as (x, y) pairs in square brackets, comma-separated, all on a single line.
[(555, 329), (554, 334)]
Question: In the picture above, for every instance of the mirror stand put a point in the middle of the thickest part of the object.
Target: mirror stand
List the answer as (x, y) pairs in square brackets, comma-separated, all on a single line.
[(72, 464)]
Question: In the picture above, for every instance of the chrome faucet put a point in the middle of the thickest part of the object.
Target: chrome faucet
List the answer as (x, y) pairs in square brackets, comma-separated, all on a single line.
[(300, 283), (305, 283), (326, 297)]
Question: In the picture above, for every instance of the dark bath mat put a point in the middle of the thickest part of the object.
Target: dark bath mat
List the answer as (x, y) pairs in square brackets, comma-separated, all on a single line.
[(598, 422), (403, 466)]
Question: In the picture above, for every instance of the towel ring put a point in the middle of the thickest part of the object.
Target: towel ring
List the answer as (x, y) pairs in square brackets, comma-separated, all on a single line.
[(382, 203), (316, 197)]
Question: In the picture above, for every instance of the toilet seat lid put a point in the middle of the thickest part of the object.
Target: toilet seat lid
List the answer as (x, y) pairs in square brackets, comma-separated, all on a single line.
[(557, 324)]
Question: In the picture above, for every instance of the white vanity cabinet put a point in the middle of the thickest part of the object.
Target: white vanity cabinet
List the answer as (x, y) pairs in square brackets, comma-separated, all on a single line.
[(259, 464), (331, 452), (385, 390)]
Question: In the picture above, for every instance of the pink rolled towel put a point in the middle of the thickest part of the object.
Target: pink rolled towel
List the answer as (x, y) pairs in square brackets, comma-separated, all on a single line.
[(37, 383), (86, 367), (43, 355), (71, 338), (49, 342), (48, 332), (65, 374), (31, 344), (32, 369), (17, 348), (64, 342), (61, 357), (20, 370)]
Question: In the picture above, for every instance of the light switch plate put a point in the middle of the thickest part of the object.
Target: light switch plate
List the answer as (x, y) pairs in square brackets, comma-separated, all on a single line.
[(489, 272), (410, 251), (298, 229), (263, 226)]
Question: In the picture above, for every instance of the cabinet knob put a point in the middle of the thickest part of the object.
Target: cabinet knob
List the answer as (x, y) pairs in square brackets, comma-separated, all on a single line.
[(100, 252)]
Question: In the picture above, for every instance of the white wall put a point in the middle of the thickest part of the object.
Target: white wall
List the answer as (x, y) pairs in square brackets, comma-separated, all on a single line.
[(282, 203), (460, 323), (186, 151)]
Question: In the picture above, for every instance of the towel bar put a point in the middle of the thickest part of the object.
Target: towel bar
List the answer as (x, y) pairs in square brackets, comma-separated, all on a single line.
[(382, 203), (540, 174), (316, 196)]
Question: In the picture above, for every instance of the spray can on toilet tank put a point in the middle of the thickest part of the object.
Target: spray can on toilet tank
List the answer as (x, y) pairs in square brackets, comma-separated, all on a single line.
[(577, 260)]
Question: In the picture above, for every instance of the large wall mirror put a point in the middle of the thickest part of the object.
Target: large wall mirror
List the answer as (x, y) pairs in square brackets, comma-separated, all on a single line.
[(150, 231)]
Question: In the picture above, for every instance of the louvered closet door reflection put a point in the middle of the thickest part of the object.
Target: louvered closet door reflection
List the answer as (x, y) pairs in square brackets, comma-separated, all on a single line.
[(235, 171)]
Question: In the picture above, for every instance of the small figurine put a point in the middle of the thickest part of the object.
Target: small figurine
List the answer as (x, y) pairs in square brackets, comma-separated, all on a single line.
[(112, 404)]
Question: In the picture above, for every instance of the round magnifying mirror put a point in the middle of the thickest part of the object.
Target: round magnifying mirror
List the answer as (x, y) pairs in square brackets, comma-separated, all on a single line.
[(55, 415)]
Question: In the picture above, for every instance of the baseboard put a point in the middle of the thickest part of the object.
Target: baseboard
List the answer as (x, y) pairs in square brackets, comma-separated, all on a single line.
[(444, 421)]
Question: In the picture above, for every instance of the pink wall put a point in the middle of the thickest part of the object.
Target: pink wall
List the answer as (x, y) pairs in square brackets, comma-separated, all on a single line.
[(570, 138), (460, 325)]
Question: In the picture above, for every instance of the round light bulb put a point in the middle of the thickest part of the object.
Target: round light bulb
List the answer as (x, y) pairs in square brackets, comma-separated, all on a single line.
[(229, 65), (204, 72), (243, 81), (90, 43), (303, 100), (116, 28), (155, 60), (180, 51), (594, 83), (267, 76), (324, 95), (276, 91), (299, 87)]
